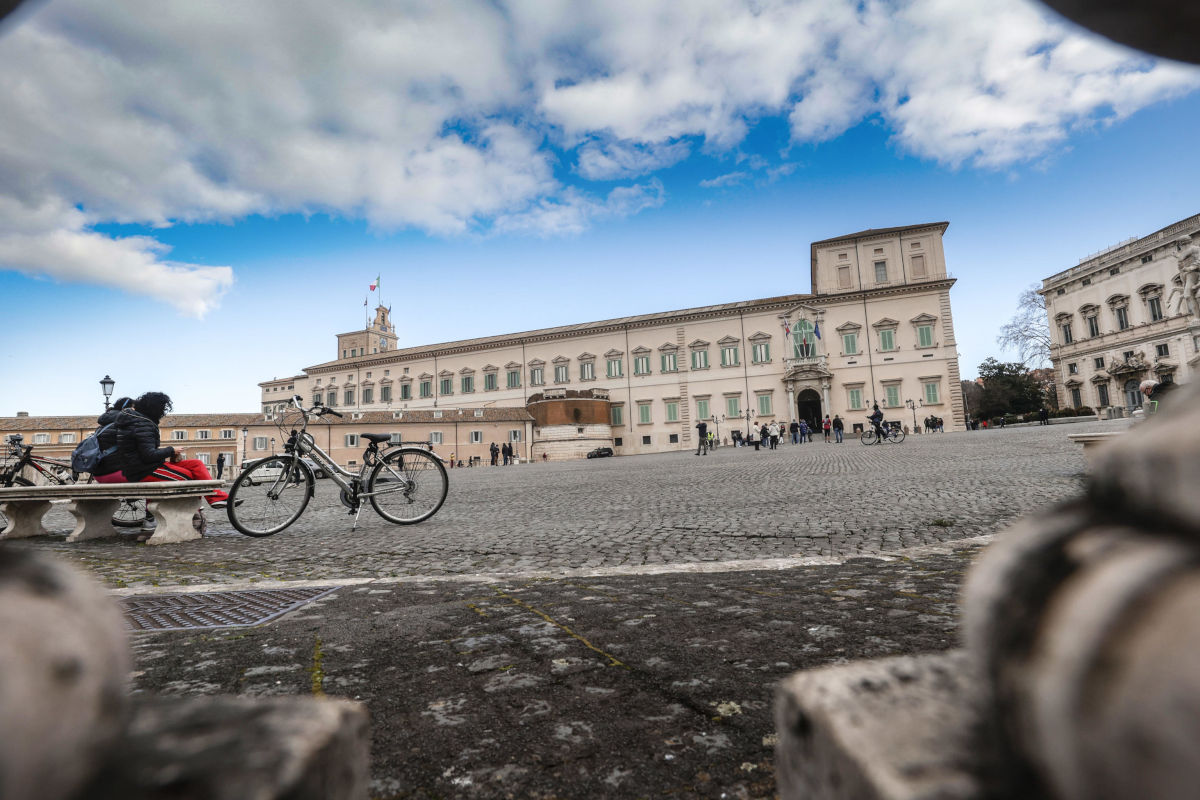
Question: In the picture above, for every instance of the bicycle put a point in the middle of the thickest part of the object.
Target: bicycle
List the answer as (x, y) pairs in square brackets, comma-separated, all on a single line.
[(890, 434), (406, 484)]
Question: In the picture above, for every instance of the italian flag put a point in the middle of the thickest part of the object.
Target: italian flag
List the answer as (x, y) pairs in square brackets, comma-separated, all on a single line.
[(375, 285)]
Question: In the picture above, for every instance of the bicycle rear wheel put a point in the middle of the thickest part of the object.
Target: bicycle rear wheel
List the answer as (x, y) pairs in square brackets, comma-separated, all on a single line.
[(408, 486), (130, 514), (896, 437), (269, 495), (868, 437)]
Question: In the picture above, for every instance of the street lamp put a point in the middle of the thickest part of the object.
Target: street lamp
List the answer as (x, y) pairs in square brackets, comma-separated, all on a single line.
[(272, 445), (747, 423), (717, 424), (913, 406), (244, 451), (106, 386)]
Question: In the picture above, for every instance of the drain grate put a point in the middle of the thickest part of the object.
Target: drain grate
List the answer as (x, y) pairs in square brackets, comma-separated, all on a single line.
[(183, 612)]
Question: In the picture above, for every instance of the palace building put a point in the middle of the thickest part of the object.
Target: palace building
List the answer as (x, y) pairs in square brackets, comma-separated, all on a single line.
[(876, 327), (1122, 316)]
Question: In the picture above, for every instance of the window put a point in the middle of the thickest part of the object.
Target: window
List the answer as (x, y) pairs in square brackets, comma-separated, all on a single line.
[(1098, 363), (843, 277), (892, 396), (1113, 271), (202, 458), (918, 266), (349, 397), (702, 409), (1072, 368), (1122, 317), (673, 438), (803, 341), (468, 384), (587, 371), (560, 374), (761, 353), (426, 388), (227, 433), (514, 435), (849, 343), (41, 438), (932, 395), (491, 382), (1076, 399), (368, 395), (643, 413), (203, 434), (66, 438), (645, 440), (478, 412), (1147, 259), (1162, 350), (672, 410), (618, 415), (617, 442), (351, 440), (887, 340), (669, 363), (179, 435), (447, 386), (641, 365), (615, 368), (435, 437), (397, 438), (881, 272), (1102, 393), (699, 359), (1066, 333), (537, 376), (260, 443), (924, 336), (856, 399), (514, 379), (1155, 309), (1086, 281), (764, 405), (1093, 326), (476, 437), (733, 406), (729, 356), (331, 399), (317, 399)]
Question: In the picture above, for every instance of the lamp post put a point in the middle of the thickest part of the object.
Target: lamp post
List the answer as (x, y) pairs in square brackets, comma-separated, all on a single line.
[(272, 445), (717, 424), (913, 406), (244, 452), (106, 386), (748, 417)]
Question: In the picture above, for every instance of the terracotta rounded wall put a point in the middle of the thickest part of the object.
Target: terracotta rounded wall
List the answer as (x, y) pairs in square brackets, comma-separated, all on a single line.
[(571, 411)]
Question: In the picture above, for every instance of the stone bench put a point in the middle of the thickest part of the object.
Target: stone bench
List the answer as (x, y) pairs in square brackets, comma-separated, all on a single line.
[(173, 504), (1091, 442)]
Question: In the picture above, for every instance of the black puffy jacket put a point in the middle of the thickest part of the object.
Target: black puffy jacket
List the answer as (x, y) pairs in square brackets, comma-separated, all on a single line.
[(138, 453), (106, 440)]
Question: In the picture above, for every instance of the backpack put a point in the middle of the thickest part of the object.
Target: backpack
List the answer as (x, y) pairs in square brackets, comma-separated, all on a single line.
[(87, 456)]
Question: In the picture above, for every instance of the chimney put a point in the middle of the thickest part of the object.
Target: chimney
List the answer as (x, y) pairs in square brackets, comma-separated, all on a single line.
[(22, 413)]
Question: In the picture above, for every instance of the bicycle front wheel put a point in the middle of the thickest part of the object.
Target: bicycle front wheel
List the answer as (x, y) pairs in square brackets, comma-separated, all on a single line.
[(896, 437), (269, 495), (408, 487), (130, 514), (868, 437)]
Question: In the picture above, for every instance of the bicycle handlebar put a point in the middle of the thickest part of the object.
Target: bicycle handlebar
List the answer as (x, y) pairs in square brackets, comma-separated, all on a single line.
[(327, 410)]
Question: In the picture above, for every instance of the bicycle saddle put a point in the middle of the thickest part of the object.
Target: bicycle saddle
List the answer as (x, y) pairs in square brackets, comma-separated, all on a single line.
[(376, 437)]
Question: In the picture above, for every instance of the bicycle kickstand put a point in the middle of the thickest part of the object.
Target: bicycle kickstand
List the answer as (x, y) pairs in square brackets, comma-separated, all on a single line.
[(357, 511)]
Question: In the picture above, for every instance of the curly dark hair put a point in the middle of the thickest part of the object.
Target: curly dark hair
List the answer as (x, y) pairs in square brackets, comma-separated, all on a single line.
[(121, 403), (154, 405)]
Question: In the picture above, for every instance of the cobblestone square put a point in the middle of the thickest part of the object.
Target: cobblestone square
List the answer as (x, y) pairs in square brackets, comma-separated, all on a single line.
[(734, 508)]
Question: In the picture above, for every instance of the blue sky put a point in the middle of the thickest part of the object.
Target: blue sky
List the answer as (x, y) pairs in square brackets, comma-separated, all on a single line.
[(188, 216)]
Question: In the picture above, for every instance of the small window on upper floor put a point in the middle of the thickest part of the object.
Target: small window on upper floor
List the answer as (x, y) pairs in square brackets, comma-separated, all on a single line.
[(1061, 291), (1146, 259), (1073, 368), (1115, 271), (881, 275), (1162, 350), (1086, 281)]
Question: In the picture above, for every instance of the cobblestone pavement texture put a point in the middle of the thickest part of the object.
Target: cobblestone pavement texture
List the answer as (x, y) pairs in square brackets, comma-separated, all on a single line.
[(808, 500), (622, 686)]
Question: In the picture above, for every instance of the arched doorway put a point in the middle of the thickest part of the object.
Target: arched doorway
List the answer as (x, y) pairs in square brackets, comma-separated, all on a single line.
[(1133, 396), (808, 407)]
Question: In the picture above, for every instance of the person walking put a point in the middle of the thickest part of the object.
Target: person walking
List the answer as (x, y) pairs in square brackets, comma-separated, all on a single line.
[(220, 464), (794, 430), (701, 438), (764, 434), (774, 431), (1043, 416), (838, 427), (827, 427)]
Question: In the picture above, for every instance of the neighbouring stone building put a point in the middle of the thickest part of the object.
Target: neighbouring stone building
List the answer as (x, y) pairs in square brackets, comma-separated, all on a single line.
[(876, 326), (464, 433), (1122, 316)]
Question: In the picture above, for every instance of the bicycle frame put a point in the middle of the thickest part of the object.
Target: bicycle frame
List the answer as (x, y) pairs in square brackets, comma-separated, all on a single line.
[(26, 458)]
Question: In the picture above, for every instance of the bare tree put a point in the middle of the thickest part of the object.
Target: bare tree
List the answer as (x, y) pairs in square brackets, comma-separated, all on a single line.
[(1028, 333)]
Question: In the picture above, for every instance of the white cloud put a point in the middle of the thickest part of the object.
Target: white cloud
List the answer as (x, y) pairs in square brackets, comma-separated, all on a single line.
[(728, 179), (457, 116)]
